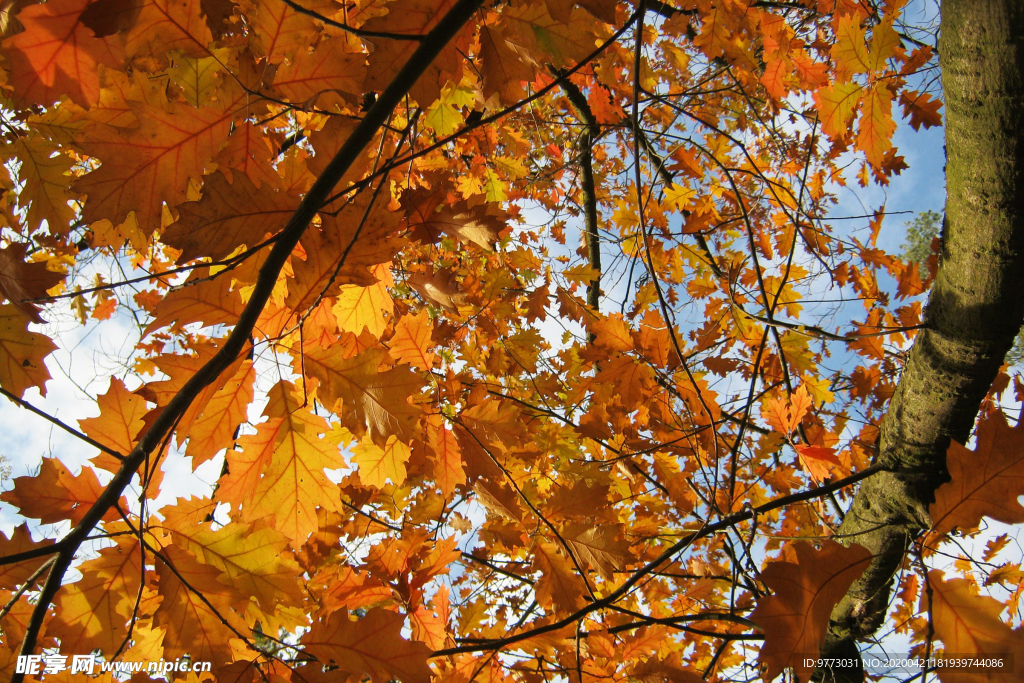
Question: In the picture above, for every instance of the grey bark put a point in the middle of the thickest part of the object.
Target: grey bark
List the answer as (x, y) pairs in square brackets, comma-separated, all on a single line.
[(973, 314)]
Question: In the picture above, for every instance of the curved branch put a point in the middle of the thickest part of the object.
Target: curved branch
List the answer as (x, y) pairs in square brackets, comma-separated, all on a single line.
[(363, 134)]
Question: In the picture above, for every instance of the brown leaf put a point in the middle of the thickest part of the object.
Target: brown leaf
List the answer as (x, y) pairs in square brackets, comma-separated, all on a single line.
[(20, 280), (371, 646), (984, 482), (227, 217), (807, 583)]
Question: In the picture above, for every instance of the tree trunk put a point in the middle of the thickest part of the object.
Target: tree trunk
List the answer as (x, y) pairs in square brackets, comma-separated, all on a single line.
[(972, 316)]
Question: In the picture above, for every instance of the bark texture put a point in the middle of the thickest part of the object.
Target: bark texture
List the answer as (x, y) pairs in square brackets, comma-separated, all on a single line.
[(974, 311)]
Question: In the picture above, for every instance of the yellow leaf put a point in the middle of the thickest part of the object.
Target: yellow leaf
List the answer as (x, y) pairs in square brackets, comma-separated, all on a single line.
[(836, 106), (358, 308), (280, 471), (377, 465), (679, 197)]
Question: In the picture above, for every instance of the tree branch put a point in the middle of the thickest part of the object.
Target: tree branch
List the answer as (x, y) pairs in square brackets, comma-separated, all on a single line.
[(363, 134), (973, 314), (585, 145)]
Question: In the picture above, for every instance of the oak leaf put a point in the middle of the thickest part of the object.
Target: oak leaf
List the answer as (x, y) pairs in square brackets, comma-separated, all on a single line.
[(984, 482), (368, 400), (784, 415), (598, 546), (505, 66), (430, 214), (379, 464), (253, 558), (876, 126), (210, 421), (146, 166), (969, 625), (837, 103), (331, 68), (45, 172), (228, 216), (20, 280), (203, 298), (92, 613), (278, 31), (16, 573), (57, 55), (54, 494), (921, 108), (372, 646), (558, 587), (280, 470), (366, 308), (447, 460), (416, 18), (195, 608), (818, 461), (118, 424), (411, 341), (807, 583)]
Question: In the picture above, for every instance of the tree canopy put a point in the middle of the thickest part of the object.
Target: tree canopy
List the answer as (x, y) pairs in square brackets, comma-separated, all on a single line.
[(522, 335)]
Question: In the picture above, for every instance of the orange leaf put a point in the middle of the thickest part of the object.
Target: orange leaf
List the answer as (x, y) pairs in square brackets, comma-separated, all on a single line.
[(415, 17), (430, 215), (253, 558), (22, 353), (92, 612), (379, 465), (984, 482), (202, 299), (331, 68), (448, 471), (144, 167), (921, 108), (807, 583), (969, 625), (210, 422), (598, 546), (280, 471), (368, 401), (784, 415), (55, 494), (837, 104), (876, 126), (119, 421), (371, 646), (411, 341), (818, 461), (366, 308), (192, 627), (58, 55), (612, 333), (505, 66)]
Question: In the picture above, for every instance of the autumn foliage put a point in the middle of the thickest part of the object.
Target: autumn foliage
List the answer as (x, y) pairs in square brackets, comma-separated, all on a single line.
[(351, 238)]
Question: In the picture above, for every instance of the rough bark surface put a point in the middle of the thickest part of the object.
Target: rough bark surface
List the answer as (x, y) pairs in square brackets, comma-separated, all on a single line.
[(974, 311)]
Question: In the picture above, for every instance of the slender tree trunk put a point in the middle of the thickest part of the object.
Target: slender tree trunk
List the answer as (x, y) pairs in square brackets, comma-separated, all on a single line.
[(974, 311)]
